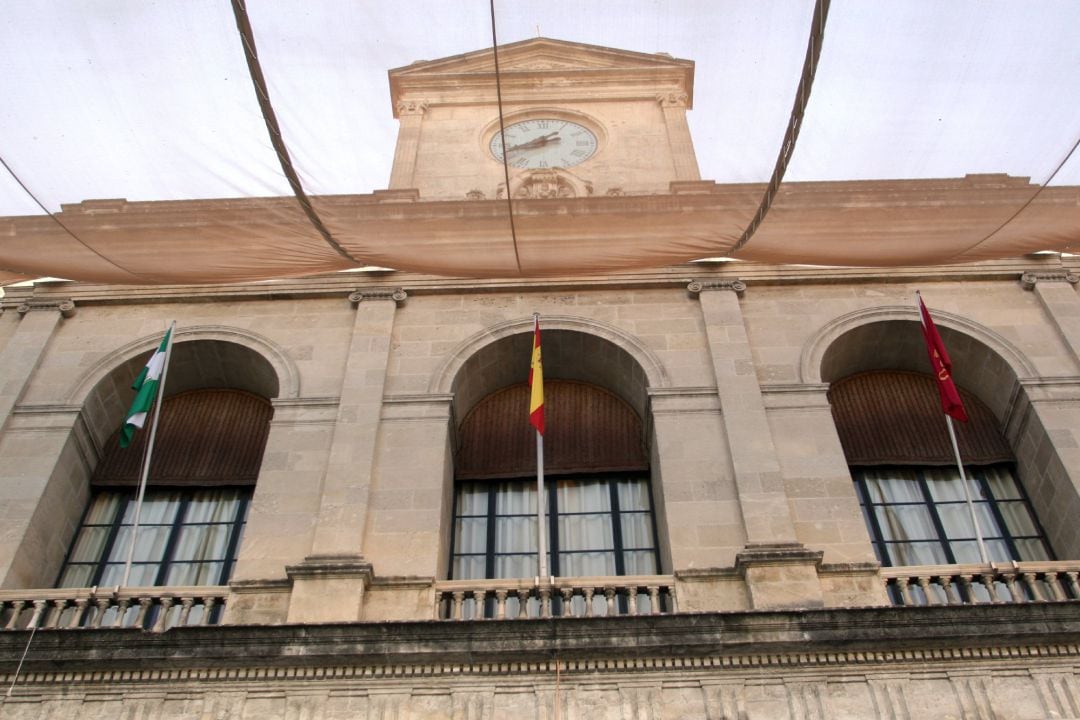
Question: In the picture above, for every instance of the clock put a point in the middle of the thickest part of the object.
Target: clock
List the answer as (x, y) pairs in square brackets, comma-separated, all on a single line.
[(544, 143)]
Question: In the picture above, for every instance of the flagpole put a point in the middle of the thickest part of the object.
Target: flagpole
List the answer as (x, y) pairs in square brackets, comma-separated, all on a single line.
[(540, 514), (146, 460), (967, 492)]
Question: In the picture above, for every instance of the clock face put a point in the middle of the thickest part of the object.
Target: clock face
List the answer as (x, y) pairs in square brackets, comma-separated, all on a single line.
[(544, 143)]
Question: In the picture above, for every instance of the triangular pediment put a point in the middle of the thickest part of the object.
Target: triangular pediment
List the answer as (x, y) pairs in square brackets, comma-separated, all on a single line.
[(540, 54)]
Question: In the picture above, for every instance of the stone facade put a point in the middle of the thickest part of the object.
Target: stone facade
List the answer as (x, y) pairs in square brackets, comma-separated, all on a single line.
[(758, 520)]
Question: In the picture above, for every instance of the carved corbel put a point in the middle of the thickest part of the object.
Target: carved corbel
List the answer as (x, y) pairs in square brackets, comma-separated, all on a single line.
[(696, 287), (1029, 279), (673, 99), (411, 107), (398, 295)]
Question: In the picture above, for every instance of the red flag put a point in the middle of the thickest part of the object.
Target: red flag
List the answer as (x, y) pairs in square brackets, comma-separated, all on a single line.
[(951, 404), (536, 381)]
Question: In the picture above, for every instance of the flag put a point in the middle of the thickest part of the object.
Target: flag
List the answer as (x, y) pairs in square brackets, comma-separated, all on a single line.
[(536, 381), (951, 404), (145, 387)]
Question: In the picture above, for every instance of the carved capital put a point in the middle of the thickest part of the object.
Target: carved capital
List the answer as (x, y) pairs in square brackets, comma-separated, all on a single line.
[(398, 295), (411, 107), (1029, 279), (66, 308), (696, 287), (673, 99)]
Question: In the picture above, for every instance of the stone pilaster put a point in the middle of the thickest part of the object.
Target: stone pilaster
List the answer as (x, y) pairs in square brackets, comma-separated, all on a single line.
[(779, 572), (410, 117), (330, 583), (1056, 291), (673, 105), (23, 351)]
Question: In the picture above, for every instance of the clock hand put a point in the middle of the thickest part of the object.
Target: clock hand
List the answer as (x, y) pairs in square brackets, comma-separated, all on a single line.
[(536, 142)]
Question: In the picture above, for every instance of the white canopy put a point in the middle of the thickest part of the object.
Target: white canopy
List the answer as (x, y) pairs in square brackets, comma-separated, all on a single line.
[(154, 103)]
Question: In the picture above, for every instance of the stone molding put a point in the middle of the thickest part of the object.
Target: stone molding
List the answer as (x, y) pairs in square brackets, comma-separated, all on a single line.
[(443, 378), (66, 307), (769, 555), (799, 396), (696, 287), (417, 407), (684, 400), (318, 567), (1029, 279), (359, 295), (288, 374), (817, 345)]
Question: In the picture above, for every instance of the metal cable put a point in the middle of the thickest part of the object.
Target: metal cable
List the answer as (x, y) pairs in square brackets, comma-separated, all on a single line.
[(502, 137), (802, 97), (262, 93)]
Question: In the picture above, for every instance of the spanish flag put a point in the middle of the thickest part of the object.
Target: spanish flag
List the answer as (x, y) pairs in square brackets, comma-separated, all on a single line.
[(536, 381)]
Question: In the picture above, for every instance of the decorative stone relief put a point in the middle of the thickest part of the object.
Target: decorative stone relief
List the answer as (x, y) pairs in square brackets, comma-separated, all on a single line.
[(475, 195), (696, 287), (398, 295), (411, 107), (673, 99), (66, 308), (615, 192), (546, 184), (1029, 279)]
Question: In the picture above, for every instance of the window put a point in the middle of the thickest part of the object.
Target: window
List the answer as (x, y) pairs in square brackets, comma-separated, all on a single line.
[(919, 516), (186, 537), (596, 527)]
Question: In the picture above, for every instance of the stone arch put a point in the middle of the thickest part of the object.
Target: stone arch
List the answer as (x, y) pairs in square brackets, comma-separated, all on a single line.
[(500, 355), (889, 337), (203, 356)]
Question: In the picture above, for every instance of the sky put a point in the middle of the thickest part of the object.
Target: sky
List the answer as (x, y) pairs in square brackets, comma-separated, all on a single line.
[(152, 100)]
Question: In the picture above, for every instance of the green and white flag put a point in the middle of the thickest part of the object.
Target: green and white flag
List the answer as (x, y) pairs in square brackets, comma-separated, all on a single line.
[(145, 387)]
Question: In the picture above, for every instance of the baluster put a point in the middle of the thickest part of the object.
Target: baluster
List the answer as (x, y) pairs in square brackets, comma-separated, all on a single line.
[(144, 609), (208, 609), (931, 596), (165, 603), (16, 610), (588, 593), (459, 602), (479, 598), (631, 600), (1053, 579), (39, 610), (523, 602), (500, 604), (186, 603), (967, 591), (102, 608), (951, 597), (1017, 596), (1036, 592), (674, 600), (122, 606), (1074, 587), (545, 602), (609, 593), (654, 599), (991, 587), (904, 585), (567, 600), (52, 619), (80, 610)]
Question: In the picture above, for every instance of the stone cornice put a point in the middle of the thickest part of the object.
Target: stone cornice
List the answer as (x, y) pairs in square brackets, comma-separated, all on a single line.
[(378, 293), (830, 637), (1029, 279), (65, 306)]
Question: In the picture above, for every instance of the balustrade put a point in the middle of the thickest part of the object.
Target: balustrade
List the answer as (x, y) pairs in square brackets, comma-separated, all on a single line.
[(983, 584), (155, 609), (565, 597)]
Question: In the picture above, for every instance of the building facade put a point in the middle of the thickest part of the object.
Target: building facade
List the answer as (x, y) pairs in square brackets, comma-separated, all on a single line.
[(748, 509)]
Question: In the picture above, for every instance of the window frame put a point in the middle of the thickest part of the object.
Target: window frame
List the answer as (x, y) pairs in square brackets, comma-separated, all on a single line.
[(611, 481), (237, 525), (978, 474)]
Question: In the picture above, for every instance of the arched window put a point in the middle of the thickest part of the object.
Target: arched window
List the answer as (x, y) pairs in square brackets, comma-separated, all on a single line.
[(895, 440), (206, 460), (599, 505)]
